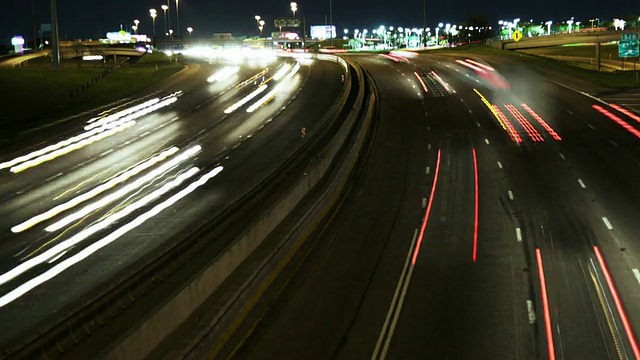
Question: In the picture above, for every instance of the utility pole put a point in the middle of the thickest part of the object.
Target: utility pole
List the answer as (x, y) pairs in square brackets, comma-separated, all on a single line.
[(55, 45), (33, 20)]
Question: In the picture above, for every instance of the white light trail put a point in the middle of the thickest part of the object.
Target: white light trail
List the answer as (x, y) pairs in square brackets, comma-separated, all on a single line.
[(282, 71), (72, 147), (91, 230), (95, 122), (86, 252), (224, 73), (94, 192), (125, 190), (273, 92), (246, 99)]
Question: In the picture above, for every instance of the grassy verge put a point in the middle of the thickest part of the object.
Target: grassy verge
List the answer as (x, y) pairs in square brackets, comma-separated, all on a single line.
[(617, 80), (37, 94)]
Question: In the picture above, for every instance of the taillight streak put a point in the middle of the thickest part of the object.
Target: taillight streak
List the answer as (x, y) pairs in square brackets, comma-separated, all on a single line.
[(507, 124), (626, 112), (424, 86), (475, 221), (545, 307), (426, 215), (541, 121), (620, 122), (619, 306), (533, 133)]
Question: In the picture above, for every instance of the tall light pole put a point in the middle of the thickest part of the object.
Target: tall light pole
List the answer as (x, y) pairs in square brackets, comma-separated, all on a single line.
[(178, 17), (169, 18), (294, 8), (55, 45), (257, 17), (137, 22), (165, 8), (153, 14)]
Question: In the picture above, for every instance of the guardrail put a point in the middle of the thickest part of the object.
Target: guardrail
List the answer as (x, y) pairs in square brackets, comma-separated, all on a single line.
[(77, 323)]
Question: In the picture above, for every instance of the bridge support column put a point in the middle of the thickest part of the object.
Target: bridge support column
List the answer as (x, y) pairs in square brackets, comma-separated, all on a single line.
[(598, 54), (55, 45)]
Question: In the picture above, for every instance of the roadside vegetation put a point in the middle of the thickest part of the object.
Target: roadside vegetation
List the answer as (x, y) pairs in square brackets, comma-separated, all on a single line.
[(35, 94)]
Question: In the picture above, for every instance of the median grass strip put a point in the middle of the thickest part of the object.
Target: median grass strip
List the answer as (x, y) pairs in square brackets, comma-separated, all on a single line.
[(35, 95), (616, 80)]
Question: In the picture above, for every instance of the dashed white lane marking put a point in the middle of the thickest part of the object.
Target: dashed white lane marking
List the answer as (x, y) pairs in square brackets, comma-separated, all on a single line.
[(428, 170), (636, 272), (562, 156), (54, 176), (591, 127), (429, 147), (518, 234), (569, 112), (478, 124), (145, 133), (510, 195), (470, 111), (532, 312), (424, 202), (582, 184), (499, 164), (613, 143), (106, 153), (607, 223), (486, 141)]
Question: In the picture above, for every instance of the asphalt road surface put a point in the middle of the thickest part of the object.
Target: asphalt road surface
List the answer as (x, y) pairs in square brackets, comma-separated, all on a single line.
[(546, 267), (70, 223)]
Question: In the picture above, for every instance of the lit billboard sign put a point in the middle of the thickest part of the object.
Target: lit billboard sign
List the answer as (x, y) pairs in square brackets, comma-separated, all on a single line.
[(322, 32)]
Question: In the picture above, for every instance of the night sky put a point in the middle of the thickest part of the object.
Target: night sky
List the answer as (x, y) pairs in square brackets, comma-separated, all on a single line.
[(92, 19)]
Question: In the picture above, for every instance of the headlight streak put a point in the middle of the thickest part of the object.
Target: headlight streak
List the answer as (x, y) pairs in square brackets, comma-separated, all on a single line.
[(72, 147), (246, 99), (91, 230), (125, 190), (249, 80), (94, 131), (263, 100), (121, 113), (224, 73), (282, 71), (134, 115), (86, 252), (93, 192)]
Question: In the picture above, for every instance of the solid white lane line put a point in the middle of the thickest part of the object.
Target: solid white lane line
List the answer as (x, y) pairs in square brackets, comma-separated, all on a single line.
[(582, 184), (518, 234), (395, 296), (487, 141), (532, 312), (607, 223), (636, 272), (383, 355), (510, 195), (499, 164)]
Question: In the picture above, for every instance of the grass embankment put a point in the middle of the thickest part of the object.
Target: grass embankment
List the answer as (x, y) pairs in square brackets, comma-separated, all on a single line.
[(37, 94), (616, 80)]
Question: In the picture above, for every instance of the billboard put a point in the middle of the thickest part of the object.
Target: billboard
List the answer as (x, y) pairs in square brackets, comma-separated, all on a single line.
[(287, 22), (322, 32)]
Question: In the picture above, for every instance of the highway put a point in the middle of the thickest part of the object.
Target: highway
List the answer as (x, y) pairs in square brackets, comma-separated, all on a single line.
[(83, 201), (487, 222)]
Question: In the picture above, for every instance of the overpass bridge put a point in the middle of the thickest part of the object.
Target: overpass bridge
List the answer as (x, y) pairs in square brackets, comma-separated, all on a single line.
[(561, 39)]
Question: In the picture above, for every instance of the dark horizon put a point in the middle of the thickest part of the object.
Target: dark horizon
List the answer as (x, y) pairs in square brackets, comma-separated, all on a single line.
[(82, 19)]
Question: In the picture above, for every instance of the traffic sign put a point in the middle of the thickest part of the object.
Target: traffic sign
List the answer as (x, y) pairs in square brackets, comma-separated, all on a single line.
[(628, 48), (516, 35)]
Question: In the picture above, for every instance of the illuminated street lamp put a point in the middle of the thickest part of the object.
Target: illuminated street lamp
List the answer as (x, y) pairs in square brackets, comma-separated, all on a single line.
[(190, 30), (570, 22), (261, 27), (135, 28), (294, 8), (171, 34), (165, 8), (548, 23), (153, 14)]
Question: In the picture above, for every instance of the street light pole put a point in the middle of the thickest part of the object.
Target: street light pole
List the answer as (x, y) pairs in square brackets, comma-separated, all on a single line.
[(164, 8), (137, 22), (178, 18), (169, 8), (55, 45), (153, 14)]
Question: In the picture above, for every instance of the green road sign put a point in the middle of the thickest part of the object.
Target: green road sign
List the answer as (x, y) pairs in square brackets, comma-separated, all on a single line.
[(628, 48), (630, 36)]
